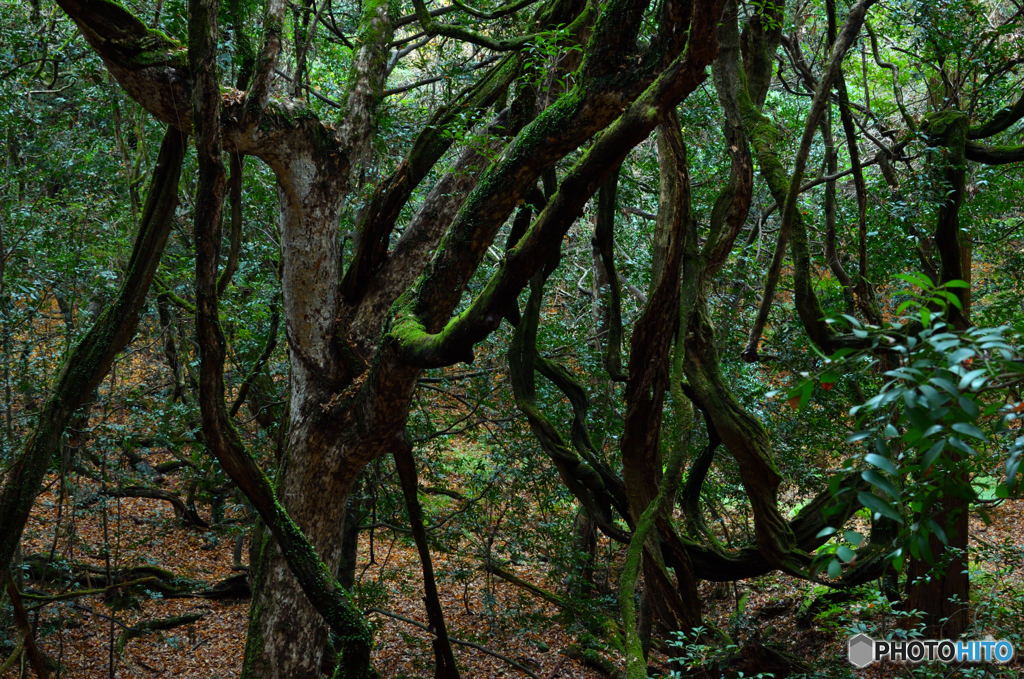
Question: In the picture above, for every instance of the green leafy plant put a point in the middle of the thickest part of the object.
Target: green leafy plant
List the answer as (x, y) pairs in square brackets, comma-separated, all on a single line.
[(939, 425)]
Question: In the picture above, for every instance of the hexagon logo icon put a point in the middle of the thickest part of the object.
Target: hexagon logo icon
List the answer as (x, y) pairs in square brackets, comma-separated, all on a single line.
[(861, 650)]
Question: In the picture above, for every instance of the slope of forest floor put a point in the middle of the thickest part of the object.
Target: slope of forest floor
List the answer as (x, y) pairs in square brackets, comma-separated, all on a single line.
[(82, 632)]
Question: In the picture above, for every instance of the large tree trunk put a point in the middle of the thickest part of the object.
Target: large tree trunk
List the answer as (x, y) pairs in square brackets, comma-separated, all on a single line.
[(343, 412), (941, 591), (326, 446), (286, 633)]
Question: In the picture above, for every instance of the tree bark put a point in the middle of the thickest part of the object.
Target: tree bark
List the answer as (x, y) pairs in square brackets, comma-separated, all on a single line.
[(948, 131), (785, 188), (349, 402), (676, 607), (605, 274), (35, 656)]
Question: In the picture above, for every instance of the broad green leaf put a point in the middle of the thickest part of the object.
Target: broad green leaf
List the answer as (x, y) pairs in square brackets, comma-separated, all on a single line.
[(920, 280), (943, 383), (879, 506), (853, 537), (939, 533), (969, 429), (969, 406), (882, 483), (882, 463), (954, 442), (929, 458), (859, 435), (966, 380)]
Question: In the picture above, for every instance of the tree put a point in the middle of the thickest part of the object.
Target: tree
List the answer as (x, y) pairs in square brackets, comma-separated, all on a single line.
[(385, 275), (351, 372)]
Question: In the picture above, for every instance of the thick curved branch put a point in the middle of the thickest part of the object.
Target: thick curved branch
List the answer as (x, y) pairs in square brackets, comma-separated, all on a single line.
[(896, 89), (948, 130), (434, 13), (580, 435), (582, 480), (432, 143), (150, 66), (432, 27), (90, 360), (1000, 122), (604, 244), (994, 155), (653, 366), (572, 119), (808, 307), (266, 62), (392, 194), (695, 477), (732, 205), (510, 8), (864, 288), (824, 511), (650, 344), (379, 289), (235, 194), (831, 249), (149, 626), (367, 75), (636, 666), (183, 511), (25, 631)]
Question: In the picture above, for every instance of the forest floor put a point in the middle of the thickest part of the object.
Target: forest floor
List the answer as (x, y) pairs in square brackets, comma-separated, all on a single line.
[(81, 633)]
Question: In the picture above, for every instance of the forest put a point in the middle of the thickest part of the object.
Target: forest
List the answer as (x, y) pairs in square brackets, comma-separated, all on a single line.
[(553, 339)]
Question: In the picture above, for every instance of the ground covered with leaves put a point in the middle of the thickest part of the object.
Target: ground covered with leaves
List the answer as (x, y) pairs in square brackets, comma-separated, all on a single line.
[(163, 570)]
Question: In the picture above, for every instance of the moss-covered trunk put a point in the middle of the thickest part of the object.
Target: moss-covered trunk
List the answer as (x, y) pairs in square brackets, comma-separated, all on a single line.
[(947, 132), (676, 605)]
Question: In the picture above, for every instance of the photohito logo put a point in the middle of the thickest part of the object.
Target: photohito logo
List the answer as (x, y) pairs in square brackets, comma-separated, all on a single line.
[(863, 650)]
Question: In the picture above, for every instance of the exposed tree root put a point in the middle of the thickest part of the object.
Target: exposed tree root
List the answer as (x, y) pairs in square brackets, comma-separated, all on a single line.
[(94, 579), (493, 568), (28, 639), (595, 660), (187, 515), (149, 626)]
